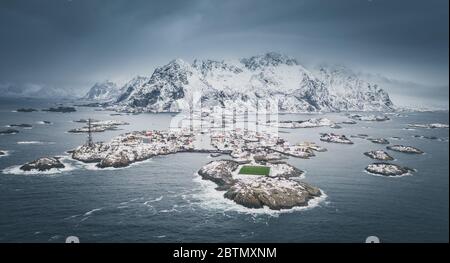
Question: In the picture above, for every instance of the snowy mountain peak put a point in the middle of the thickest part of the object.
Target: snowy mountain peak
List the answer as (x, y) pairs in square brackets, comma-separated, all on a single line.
[(268, 59), (102, 91), (244, 82), (131, 86), (206, 66)]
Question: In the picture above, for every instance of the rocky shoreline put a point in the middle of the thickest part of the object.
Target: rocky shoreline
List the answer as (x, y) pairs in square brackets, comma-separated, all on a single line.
[(275, 191), (388, 169), (379, 155), (43, 164), (405, 149), (335, 138)]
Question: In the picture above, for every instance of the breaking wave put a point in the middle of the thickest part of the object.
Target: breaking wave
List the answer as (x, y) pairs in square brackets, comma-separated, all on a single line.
[(35, 142)]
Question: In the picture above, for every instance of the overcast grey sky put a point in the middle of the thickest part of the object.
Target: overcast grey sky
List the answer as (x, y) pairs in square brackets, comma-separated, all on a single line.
[(74, 43)]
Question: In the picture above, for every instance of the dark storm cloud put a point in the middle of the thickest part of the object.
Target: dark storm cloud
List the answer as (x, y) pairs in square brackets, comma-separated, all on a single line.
[(72, 44)]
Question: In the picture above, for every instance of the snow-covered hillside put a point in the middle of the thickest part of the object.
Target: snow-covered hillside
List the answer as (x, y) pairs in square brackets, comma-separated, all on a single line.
[(244, 82), (102, 91)]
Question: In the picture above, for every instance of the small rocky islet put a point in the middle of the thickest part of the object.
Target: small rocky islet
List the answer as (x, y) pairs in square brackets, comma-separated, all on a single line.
[(429, 126), (369, 117), (26, 110), (97, 126), (379, 155), (335, 138), (310, 123), (276, 190), (405, 149), (388, 169), (61, 109), (22, 125), (43, 164), (9, 131), (378, 140)]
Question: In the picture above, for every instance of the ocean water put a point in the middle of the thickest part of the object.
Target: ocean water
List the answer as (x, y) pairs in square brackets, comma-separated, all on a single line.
[(163, 200)]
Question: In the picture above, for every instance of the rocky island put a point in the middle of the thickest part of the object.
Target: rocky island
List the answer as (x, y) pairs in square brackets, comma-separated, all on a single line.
[(26, 110), (45, 122), (369, 117), (9, 131), (388, 169), (274, 189), (132, 147), (331, 137), (311, 123), (98, 126), (404, 149), (379, 155), (61, 109), (429, 126), (378, 140), (43, 164)]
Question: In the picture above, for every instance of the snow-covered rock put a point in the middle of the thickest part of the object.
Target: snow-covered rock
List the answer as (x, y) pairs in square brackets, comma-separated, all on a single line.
[(220, 172), (311, 123), (9, 131), (388, 169), (429, 126), (43, 164), (379, 140), (102, 91), (275, 193), (132, 147), (404, 149), (244, 82), (379, 155), (98, 126), (331, 137), (369, 117)]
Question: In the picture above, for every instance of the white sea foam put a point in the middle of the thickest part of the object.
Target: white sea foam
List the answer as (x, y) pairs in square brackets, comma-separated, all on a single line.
[(153, 200), (64, 160), (212, 199), (93, 211), (6, 153), (392, 176), (173, 209), (35, 142), (43, 123), (94, 167)]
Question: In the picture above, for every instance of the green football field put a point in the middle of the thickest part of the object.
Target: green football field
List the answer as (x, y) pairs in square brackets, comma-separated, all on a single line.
[(256, 170)]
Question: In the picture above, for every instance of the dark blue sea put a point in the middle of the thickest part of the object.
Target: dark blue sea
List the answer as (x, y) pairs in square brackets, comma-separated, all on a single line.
[(163, 200)]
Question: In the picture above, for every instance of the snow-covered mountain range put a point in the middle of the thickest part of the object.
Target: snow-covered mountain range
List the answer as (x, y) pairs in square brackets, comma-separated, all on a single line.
[(102, 92), (243, 82)]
